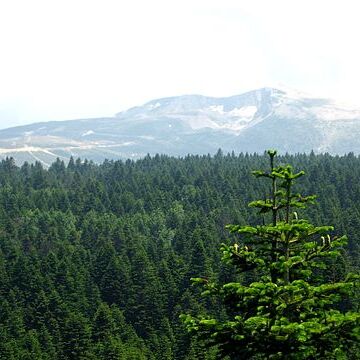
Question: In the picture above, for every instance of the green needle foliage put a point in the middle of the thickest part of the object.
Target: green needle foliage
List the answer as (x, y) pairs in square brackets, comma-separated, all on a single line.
[(291, 311)]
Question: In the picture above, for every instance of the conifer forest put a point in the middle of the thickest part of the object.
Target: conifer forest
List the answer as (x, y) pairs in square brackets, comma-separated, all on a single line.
[(162, 258)]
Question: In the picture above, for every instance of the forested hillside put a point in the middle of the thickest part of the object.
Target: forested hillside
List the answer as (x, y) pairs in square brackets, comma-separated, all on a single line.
[(96, 260)]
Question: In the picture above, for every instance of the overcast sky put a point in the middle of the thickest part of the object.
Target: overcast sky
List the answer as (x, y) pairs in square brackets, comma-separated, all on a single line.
[(66, 59)]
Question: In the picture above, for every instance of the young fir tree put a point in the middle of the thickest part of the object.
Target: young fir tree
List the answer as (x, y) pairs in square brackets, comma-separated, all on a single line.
[(291, 311)]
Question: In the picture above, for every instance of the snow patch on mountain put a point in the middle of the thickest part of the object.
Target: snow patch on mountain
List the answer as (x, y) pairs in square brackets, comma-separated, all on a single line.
[(89, 132), (246, 112), (217, 108), (199, 121), (234, 120)]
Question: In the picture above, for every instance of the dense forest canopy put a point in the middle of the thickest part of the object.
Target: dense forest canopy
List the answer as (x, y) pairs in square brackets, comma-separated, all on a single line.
[(96, 260)]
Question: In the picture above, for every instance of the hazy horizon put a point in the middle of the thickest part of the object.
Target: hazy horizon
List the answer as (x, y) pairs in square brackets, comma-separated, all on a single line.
[(88, 59)]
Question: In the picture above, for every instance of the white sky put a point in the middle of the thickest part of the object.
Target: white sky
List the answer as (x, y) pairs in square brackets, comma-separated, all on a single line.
[(65, 59)]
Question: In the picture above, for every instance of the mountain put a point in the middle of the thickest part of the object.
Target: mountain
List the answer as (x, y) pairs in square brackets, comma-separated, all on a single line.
[(252, 122)]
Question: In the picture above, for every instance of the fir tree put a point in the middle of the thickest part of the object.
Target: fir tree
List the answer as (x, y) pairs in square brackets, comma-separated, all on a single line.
[(290, 311)]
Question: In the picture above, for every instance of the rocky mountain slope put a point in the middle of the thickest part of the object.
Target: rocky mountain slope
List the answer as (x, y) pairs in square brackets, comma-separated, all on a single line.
[(251, 122)]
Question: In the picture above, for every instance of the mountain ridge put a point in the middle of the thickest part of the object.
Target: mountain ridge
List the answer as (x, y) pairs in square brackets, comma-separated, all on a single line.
[(251, 122)]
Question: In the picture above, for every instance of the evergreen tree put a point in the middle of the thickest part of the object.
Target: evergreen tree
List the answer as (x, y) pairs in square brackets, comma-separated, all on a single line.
[(76, 337), (291, 311)]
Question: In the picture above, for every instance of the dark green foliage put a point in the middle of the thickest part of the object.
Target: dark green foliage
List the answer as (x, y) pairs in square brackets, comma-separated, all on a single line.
[(293, 309), (95, 260)]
